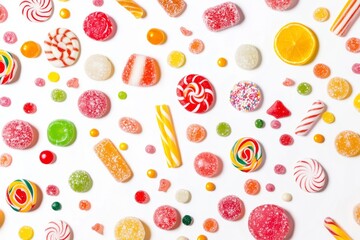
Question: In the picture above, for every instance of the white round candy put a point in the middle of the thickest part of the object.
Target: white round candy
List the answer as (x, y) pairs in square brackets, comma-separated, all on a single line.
[(98, 67), (287, 197), (182, 238), (247, 57), (183, 196)]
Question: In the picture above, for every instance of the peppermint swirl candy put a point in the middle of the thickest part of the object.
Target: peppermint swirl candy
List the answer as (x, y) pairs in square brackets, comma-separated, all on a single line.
[(58, 230), (246, 154), (37, 10), (195, 93), (22, 195), (8, 67), (310, 175)]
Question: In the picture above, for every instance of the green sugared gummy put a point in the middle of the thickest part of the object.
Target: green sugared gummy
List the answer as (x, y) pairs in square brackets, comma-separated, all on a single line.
[(259, 123), (80, 181), (61, 133), (304, 88), (58, 95), (187, 220), (223, 129), (122, 95)]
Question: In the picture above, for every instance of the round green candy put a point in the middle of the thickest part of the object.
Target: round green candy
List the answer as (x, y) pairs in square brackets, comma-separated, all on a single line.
[(56, 206), (80, 181), (304, 88), (259, 123), (122, 95), (61, 132), (223, 129), (58, 95), (187, 220)]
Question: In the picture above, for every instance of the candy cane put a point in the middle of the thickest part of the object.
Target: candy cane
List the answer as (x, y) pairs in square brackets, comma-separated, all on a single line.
[(310, 119), (346, 18), (337, 232)]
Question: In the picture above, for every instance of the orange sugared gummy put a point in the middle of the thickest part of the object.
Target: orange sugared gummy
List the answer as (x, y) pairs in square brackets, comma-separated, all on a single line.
[(84, 205), (339, 88), (173, 8), (353, 45), (252, 187), (348, 143), (196, 46), (210, 225), (357, 213), (321, 70), (195, 133)]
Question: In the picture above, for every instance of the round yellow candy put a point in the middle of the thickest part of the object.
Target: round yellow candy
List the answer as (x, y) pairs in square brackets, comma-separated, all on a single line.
[(64, 13), (30, 49), (53, 77), (201, 237), (2, 218), (130, 228), (319, 138), (156, 36), (123, 146), (151, 173), (321, 14), (328, 117), (210, 186), (26, 233), (222, 62), (348, 143), (357, 102), (94, 132), (339, 88), (176, 59)]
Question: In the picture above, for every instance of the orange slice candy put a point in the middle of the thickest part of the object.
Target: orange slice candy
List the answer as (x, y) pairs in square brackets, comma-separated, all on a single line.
[(339, 88)]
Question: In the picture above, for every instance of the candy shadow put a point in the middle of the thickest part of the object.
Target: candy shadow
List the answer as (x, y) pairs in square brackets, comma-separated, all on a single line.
[(113, 22), (147, 231), (36, 137), (39, 198), (293, 4)]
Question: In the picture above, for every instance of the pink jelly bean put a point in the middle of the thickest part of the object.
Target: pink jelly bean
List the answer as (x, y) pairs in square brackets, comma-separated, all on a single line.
[(279, 169), (164, 185), (270, 187), (280, 5), (288, 82), (286, 140), (275, 124), (150, 149), (3, 14), (231, 208), (94, 104), (18, 134), (130, 125), (207, 164), (5, 102), (356, 68), (10, 37), (40, 82), (52, 190), (166, 217)]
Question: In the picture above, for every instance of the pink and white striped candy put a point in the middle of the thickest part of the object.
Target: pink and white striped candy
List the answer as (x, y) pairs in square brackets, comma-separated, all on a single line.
[(62, 48), (310, 119), (37, 10), (310, 175), (58, 230)]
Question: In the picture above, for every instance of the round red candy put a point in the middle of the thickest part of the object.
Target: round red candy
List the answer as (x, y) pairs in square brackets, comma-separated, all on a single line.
[(269, 222), (279, 169), (207, 164), (231, 208), (142, 197), (98, 26), (18, 134), (47, 157), (166, 217), (279, 5), (52, 190), (286, 140), (94, 104)]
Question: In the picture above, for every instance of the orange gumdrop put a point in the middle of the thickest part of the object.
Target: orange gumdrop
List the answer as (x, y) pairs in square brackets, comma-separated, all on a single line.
[(348, 143), (353, 45), (321, 70), (339, 88), (156, 36), (210, 225), (252, 187), (84, 205), (195, 133), (196, 46)]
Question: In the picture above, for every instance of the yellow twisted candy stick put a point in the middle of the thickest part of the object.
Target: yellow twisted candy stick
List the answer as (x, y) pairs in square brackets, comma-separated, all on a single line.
[(133, 8), (337, 232), (168, 136)]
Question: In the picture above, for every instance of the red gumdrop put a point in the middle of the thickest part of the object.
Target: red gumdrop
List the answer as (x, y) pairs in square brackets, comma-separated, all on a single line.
[(52, 190), (279, 169), (207, 164), (278, 110), (47, 157), (164, 185), (94, 104), (30, 108), (150, 149), (231, 208), (286, 140), (142, 197), (279, 5), (98, 26), (18, 134), (166, 217), (269, 222)]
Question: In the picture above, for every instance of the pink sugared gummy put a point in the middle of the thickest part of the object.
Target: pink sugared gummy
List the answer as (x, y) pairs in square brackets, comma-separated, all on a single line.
[(207, 164), (279, 169), (94, 104), (275, 124), (279, 5), (270, 187), (18, 134), (269, 222), (5, 102), (150, 149), (10, 37), (52, 190), (166, 217), (130, 125), (164, 185), (356, 68), (231, 208), (222, 16)]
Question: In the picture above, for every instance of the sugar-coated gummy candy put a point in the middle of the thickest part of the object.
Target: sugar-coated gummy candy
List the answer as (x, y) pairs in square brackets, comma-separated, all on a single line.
[(339, 88), (210, 225), (61, 132), (99, 228), (356, 102), (30, 49), (288, 82), (8, 67), (321, 70), (58, 229), (231, 208), (26, 233), (207, 164), (58, 95), (98, 3), (270, 187), (196, 46), (54, 76), (164, 185), (84, 205), (166, 217), (130, 125), (122, 95), (275, 124), (3, 14), (304, 88), (321, 14), (279, 169), (223, 129), (156, 36), (222, 16), (5, 160), (183, 196), (356, 213), (287, 197), (19, 134), (173, 8), (40, 82), (245, 96), (286, 139), (185, 31), (5, 102), (195, 133), (150, 149), (94, 104), (52, 190), (98, 67), (247, 57), (142, 197), (356, 68), (176, 59), (22, 195), (10, 37), (252, 186), (80, 181), (347, 143), (328, 117), (99, 26), (353, 45), (269, 222), (29, 108), (278, 110), (73, 83), (279, 5)]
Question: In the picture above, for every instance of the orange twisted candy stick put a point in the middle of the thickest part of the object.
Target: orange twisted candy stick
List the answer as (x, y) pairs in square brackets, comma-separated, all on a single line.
[(337, 232), (133, 8)]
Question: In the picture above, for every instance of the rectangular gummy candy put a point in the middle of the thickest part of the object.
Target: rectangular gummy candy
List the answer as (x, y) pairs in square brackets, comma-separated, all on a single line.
[(173, 8), (222, 16), (113, 160)]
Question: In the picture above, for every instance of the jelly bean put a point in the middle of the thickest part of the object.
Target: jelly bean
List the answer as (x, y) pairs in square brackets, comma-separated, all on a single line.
[(279, 169), (30, 49), (150, 149), (30, 108), (223, 129), (151, 173), (231, 208), (130, 228), (130, 125), (164, 185), (5, 160), (123, 146), (210, 186), (356, 213), (196, 46), (98, 67), (252, 187), (64, 13), (304, 88), (142, 197), (166, 217), (183, 196), (287, 197), (347, 143), (99, 26), (5, 102), (47, 157), (185, 31), (73, 83), (286, 140), (280, 5), (319, 138), (207, 164), (3, 14), (52, 190), (182, 238), (26, 233), (270, 187), (321, 14), (356, 102), (61, 132), (210, 225), (201, 237), (53, 76), (58, 95), (247, 57), (84, 205), (278, 110), (122, 95), (275, 124), (259, 123), (339, 88), (328, 117), (288, 82), (99, 228), (19, 134), (56, 206), (156, 36), (10, 37), (353, 45), (321, 70), (222, 62), (40, 82), (94, 104), (94, 132), (187, 220), (176, 59), (80, 181), (222, 16), (195, 133)]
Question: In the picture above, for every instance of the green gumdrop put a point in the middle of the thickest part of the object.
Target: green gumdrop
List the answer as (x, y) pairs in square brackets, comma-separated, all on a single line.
[(304, 88), (223, 129), (61, 132), (259, 123), (58, 95), (80, 181)]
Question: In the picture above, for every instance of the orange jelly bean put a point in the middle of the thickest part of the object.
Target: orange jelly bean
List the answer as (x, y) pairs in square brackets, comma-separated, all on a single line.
[(64, 13), (30, 49), (321, 70), (210, 225), (94, 132), (348, 143), (222, 62), (156, 36), (319, 138), (151, 173), (210, 186), (252, 187)]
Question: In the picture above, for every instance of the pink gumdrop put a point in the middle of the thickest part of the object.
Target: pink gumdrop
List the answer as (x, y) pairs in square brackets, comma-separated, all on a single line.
[(269, 222), (94, 104), (279, 169), (164, 185), (166, 217), (185, 31), (40, 82), (3, 14), (130, 125), (270, 187), (98, 3), (30, 108), (231, 208), (5, 102), (142, 197), (150, 149), (356, 68), (207, 164), (52, 190), (275, 124), (286, 140), (73, 83), (18, 134), (288, 82), (279, 5), (10, 37)]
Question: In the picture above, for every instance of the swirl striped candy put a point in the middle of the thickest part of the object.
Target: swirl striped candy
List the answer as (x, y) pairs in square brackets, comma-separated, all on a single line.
[(62, 48), (310, 175), (246, 154), (8, 67), (37, 10), (22, 195), (195, 93), (58, 230)]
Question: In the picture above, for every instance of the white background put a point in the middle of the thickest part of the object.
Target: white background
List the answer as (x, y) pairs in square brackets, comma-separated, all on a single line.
[(111, 200)]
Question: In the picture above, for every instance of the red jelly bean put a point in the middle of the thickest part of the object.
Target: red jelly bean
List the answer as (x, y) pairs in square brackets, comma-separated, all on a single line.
[(94, 104), (30, 108), (269, 222), (52, 190), (98, 26), (47, 157), (207, 164), (166, 217), (231, 208), (286, 140), (18, 134), (279, 169), (278, 110), (142, 197), (279, 5)]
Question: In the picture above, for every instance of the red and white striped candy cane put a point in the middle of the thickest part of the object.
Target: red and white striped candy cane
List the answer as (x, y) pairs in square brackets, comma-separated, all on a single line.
[(310, 119)]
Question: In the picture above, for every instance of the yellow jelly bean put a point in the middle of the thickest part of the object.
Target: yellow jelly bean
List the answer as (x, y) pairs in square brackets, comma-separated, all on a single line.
[(210, 186), (319, 138), (123, 146), (321, 14), (176, 59), (53, 77), (328, 117), (26, 233), (94, 132), (156, 36), (151, 173), (222, 62), (201, 237), (357, 102), (2, 218), (64, 13), (30, 49)]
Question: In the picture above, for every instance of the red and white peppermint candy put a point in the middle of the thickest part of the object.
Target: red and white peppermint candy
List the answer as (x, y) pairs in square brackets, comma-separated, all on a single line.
[(58, 230), (310, 175), (62, 49), (195, 93), (37, 10), (310, 119)]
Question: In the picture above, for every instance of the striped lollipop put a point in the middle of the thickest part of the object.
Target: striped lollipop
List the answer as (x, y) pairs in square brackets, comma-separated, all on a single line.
[(22, 195), (37, 10), (8, 67), (246, 154), (310, 175)]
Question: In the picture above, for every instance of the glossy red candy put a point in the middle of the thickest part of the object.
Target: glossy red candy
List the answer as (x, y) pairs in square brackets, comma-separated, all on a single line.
[(47, 157), (278, 110)]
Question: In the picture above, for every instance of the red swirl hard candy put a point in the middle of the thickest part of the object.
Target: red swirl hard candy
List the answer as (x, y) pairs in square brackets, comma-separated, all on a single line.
[(18, 134), (195, 93), (166, 217), (207, 164), (99, 26), (94, 104), (231, 208)]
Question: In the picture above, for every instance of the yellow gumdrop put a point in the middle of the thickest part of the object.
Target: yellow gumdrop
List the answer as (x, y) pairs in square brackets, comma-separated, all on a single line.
[(26, 233), (176, 59), (321, 14), (130, 228), (53, 77), (357, 102), (339, 88), (328, 117)]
